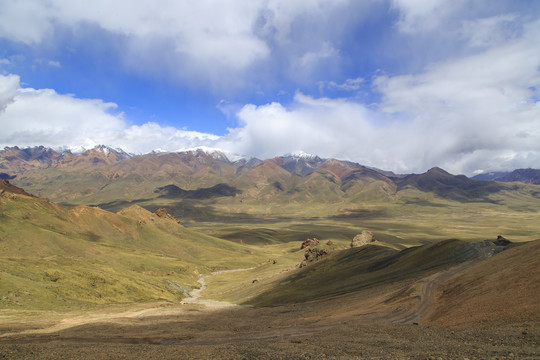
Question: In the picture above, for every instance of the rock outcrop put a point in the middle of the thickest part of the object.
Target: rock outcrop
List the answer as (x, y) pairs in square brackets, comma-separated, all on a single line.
[(501, 241), (163, 213), (312, 255), (309, 242), (364, 238)]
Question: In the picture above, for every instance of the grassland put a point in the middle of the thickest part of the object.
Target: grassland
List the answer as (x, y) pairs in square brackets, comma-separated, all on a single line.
[(55, 257)]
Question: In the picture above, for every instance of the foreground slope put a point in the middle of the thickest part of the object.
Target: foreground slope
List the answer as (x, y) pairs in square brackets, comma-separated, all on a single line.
[(377, 319), (504, 287), (371, 267), (54, 256), (445, 283)]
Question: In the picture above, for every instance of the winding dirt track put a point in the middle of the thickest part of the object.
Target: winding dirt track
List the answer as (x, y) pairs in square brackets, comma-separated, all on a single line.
[(152, 310), (426, 289), (194, 296)]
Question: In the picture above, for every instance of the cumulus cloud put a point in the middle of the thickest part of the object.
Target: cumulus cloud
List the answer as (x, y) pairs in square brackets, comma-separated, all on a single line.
[(30, 117), (327, 127), (484, 104)]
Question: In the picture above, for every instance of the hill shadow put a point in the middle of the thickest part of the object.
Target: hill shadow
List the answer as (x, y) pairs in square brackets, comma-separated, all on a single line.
[(219, 190)]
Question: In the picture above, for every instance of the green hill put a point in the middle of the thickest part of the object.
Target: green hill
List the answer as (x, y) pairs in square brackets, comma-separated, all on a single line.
[(54, 256)]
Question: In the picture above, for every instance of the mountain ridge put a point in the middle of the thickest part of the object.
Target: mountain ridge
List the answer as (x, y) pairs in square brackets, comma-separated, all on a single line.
[(196, 184), (15, 159)]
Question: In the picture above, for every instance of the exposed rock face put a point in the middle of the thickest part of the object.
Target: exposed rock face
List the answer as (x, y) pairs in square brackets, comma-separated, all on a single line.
[(309, 242), (501, 241), (364, 238), (312, 255), (163, 213)]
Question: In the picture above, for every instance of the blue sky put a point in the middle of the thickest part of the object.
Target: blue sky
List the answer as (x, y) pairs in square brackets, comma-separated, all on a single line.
[(403, 85)]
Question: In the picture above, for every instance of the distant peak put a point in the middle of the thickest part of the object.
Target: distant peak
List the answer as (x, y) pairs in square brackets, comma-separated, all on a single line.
[(437, 170), (303, 155), (216, 153)]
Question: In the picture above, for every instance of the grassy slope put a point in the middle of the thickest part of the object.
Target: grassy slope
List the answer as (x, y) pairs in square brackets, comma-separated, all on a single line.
[(361, 268), (54, 256)]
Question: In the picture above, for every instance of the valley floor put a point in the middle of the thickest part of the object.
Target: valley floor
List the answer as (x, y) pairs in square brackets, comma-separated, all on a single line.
[(395, 320), (310, 331)]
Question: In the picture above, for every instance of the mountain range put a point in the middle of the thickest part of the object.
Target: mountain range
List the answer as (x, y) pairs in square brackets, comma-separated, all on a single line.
[(203, 183), (527, 176), (14, 160)]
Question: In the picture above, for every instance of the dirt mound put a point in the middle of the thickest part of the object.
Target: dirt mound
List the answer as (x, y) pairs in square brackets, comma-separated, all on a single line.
[(364, 238)]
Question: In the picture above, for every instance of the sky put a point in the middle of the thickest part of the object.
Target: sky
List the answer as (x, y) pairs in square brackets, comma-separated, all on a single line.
[(402, 85)]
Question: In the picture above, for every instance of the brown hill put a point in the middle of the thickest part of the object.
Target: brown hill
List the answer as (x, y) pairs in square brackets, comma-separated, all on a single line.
[(371, 267), (504, 287), (446, 185), (8, 187)]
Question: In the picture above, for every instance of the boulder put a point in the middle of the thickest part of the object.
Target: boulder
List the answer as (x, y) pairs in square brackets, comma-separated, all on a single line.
[(364, 238)]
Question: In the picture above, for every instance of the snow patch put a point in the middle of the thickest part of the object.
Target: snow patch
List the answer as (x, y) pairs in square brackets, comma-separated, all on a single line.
[(216, 153), (303, 155)]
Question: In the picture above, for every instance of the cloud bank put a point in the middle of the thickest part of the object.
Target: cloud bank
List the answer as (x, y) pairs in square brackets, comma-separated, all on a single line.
[(30, 117)]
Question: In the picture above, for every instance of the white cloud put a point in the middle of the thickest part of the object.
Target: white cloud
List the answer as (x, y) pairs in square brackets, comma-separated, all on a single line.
[(420, 16), (30, 117), (476, 108), (478, 112), (220, 45), (491, 31), (54, 63), (348, 85), (327, 127)]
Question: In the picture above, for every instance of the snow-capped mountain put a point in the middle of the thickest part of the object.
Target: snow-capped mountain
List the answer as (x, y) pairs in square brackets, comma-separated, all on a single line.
[(216, 153)]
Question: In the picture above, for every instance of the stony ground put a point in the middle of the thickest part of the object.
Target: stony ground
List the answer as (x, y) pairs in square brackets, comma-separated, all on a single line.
[(488, 310), (305, 331)]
